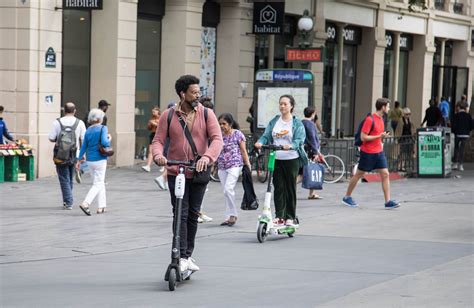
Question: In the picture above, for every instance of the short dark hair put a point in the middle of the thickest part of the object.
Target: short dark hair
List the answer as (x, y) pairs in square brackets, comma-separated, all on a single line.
[(308, 111), (397, 104), (103, 103), (1, 109), (291, 98), (183, 83), (206, 101), (381, 102), (69, 107), (229, 119)]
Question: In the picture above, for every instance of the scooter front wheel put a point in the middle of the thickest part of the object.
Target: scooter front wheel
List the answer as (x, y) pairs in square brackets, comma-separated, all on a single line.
[(172, 279), (262, 232)]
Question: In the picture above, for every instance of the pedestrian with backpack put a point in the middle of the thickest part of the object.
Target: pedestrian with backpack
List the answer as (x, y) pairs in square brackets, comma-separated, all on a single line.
[(96, 144), (67, 133), (371, 133)]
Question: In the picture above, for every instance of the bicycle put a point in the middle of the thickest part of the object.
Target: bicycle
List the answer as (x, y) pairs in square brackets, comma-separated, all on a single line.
[(335, 168), (258, 161)]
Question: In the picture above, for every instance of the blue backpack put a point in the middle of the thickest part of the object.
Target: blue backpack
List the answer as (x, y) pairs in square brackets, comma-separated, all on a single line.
[(357, 139)]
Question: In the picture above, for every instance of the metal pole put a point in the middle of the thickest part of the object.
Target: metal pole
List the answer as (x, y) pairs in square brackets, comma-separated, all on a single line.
[(271, 50)]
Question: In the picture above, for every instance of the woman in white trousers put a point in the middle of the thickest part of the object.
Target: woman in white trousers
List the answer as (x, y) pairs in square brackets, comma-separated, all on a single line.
[(230, 162), (96, 135)]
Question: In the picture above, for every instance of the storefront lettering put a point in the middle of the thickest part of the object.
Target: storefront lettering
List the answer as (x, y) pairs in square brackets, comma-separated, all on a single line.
[(83, 4), (403, 41), (266, 29), (349, 35)]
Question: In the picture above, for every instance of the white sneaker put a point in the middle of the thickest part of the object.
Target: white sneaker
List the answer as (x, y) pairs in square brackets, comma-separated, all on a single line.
[(146, 168), (205, 218), (454, 166), (160, 181), (461, 168), (161, 169), (200, 220), (192, 265), (183, 264)]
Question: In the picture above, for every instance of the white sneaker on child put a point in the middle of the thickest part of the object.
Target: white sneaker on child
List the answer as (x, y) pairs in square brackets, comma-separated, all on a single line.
[(192, 265), (146, 168), (160, 181), (205, 218), (183, 264)]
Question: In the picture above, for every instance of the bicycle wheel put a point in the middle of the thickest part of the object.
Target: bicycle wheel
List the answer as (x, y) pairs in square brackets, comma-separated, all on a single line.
[(335, 169), (214, 174), (262, 170)]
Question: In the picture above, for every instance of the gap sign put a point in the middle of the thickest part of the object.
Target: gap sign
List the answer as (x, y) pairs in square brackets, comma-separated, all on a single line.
[(303, 55)]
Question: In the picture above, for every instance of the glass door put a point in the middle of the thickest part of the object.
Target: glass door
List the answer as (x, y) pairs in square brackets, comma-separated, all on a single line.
[(75, 85), (147, 93)]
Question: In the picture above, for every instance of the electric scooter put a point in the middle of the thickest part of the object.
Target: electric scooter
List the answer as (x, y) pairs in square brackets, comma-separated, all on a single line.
[(265, 220), (173, 273)]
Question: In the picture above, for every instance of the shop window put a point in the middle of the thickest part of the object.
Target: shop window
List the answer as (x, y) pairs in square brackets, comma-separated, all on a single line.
[(387, 90), (76, 60), (147, 85)]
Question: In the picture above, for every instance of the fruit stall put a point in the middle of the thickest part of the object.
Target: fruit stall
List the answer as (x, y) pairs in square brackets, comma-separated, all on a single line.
[(17, 162)]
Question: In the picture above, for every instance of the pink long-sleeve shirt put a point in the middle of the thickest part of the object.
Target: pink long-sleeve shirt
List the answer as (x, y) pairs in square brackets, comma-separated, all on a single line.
[(207, 138)]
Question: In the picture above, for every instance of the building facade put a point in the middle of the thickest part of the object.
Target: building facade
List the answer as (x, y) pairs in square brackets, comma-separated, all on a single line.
[(130, 52)]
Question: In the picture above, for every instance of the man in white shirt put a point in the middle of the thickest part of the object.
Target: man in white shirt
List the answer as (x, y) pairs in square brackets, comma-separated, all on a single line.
[(65, 168)]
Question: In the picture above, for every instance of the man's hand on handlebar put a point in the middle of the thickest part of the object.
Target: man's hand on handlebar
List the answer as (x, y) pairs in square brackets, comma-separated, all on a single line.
[(258, 145), (202, 163), (286, 147), (160, 160)]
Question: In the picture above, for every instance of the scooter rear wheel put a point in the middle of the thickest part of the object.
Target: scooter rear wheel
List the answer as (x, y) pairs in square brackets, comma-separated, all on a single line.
[(262, 232), (172, 279)]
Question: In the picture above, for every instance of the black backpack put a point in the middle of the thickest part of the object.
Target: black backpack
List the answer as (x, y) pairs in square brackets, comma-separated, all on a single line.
[(357, 139), (65, 149)]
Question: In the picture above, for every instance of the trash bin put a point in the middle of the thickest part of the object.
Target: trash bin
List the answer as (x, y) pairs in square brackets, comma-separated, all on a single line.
[(434, 152), (2, 169), (11, 168), (27, 165)]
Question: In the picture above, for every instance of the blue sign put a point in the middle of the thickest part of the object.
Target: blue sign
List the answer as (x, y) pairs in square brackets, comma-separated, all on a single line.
[(284, 75)]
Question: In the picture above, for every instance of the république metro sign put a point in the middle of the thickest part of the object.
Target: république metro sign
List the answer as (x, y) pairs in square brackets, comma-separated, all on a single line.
[(303, 54)]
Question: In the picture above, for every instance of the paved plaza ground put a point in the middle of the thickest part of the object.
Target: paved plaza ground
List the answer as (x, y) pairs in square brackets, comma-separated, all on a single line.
[(420, 255)]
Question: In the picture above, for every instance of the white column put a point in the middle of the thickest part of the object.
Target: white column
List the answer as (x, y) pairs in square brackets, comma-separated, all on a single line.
[(395, 65)]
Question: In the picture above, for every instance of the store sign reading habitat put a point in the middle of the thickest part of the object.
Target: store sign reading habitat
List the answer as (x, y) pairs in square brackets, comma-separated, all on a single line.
[(268, 17), (83, 4)]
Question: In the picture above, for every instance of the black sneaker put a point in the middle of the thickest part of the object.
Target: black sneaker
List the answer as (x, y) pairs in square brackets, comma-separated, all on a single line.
[(392, 204)]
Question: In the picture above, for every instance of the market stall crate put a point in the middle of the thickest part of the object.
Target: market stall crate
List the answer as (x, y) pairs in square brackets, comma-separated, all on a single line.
[(27, 165), (2, 169), (11, 168)]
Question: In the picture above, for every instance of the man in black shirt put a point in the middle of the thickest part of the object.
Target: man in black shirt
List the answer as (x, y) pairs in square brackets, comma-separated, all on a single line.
[(432, 115)]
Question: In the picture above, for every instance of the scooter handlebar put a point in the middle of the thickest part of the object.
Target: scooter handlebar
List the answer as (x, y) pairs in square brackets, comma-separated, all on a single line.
[(272, 147), (180, 163)]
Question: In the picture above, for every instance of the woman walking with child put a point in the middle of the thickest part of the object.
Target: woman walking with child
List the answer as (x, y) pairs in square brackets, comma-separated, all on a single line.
[(230, 162)]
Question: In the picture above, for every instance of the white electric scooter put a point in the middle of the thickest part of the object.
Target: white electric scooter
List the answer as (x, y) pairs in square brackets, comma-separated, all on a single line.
[(265, 220)]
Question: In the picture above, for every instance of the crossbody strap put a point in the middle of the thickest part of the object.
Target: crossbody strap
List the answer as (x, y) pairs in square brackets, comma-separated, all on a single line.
[(100, 135), (187, 133)]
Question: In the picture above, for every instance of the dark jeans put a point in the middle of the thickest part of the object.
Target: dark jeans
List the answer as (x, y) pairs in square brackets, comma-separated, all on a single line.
[(66, 175), (284, 180), (459, 145), (191, 206)]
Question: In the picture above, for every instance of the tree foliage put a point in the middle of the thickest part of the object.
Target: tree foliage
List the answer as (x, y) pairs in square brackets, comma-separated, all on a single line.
[(417, 5)]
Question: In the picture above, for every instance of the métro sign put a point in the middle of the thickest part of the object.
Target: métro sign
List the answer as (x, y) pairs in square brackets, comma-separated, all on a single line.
[(303, 54)]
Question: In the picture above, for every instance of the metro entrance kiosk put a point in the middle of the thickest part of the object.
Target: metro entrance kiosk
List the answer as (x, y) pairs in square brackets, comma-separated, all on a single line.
[(271, 84), (434, 152)]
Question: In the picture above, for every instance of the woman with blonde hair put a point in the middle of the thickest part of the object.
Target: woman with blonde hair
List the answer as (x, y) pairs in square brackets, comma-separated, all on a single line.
[(406, 131), (97, 134)]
